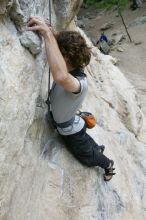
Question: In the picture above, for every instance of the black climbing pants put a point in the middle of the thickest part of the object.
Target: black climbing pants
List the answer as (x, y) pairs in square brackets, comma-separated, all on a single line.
[(85, 149)]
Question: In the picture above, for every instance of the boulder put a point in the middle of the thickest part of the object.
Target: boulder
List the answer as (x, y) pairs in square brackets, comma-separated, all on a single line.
[(81, 24), (138, 21), (65, 11), (104, 47), (107, 26), (120, 49), (31, 41), (138, 43), (119, 37), (5, 6)]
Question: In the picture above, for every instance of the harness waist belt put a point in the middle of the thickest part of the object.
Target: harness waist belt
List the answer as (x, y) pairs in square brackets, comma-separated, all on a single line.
[(66, 124)]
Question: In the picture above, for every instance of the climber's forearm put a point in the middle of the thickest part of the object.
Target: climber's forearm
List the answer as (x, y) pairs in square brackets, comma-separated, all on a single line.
[(55, 59), (58, 66)]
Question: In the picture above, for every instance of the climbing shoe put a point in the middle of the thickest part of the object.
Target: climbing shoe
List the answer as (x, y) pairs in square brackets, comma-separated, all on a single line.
[(109, 171)]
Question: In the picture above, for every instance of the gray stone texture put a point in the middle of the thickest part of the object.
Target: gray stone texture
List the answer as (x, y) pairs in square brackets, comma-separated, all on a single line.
[(65, 12), (31, 41), (39, 179)]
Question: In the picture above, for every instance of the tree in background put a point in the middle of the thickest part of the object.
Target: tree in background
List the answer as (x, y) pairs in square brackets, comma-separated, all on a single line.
[(106, 3), (120, 4), (121, 16)]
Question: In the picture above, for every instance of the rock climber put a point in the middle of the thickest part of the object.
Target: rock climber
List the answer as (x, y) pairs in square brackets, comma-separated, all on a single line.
[(67, 55), (103, 44), (103, 37)]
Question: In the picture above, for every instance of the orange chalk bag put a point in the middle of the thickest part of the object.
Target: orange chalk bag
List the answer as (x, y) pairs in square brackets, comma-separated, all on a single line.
[(89, 119)]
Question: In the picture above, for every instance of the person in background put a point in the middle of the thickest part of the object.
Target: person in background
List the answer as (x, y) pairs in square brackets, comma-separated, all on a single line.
[(103, 37), (103, 45)]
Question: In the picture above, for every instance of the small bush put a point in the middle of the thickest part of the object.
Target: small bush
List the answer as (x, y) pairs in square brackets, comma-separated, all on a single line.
[(107, 3)]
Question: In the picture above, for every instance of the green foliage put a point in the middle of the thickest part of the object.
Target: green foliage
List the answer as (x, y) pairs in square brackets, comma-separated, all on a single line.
[(107, 3)]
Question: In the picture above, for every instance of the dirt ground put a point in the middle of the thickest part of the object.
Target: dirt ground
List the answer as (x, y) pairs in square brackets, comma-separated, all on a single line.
[(132, 61)]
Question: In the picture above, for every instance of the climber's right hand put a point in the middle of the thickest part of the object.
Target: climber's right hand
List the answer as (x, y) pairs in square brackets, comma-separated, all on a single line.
[(40, 25)]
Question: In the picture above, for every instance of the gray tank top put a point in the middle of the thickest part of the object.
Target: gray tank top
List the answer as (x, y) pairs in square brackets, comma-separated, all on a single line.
[(65, 104)]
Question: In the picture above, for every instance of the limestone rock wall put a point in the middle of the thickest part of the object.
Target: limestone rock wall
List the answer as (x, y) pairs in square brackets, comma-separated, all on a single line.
[(39, 179), (65, 12)]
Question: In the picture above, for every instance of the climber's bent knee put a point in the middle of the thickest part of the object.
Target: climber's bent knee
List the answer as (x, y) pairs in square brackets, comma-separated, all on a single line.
[(85, 149)]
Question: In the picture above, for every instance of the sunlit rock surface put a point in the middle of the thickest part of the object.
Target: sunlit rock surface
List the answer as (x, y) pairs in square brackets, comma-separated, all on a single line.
[(39, 179)]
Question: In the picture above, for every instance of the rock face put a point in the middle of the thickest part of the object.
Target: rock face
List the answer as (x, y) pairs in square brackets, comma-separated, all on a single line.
[(5, 6), (39, 179), (106, 26), (31, 41), (66, 11), (138, 21)]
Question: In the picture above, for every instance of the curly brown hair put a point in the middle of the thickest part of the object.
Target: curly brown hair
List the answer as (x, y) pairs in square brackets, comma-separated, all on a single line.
[(73, 46)]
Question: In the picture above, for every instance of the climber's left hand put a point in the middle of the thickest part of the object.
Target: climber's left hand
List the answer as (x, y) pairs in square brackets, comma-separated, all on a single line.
[(40, 25)]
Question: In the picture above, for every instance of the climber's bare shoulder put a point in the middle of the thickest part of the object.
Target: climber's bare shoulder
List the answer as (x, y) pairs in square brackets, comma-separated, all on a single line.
[(70, 83)]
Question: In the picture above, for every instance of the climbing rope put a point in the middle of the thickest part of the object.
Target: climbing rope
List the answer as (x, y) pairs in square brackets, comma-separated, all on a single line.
[(50, 20), (49, 80)]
